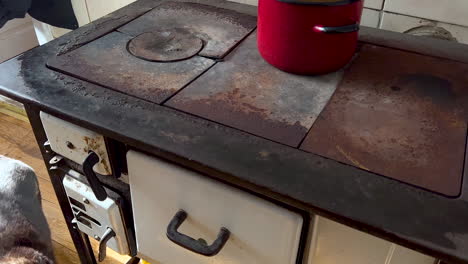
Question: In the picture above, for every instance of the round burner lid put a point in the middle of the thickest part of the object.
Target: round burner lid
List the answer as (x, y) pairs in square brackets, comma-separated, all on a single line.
[(165, 46)]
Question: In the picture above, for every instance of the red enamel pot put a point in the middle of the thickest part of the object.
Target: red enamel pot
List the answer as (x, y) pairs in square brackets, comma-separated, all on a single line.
[(308, 36)]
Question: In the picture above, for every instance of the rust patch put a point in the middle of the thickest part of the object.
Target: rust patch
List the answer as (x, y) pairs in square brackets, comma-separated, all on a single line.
[(107, 62), (247, 93), (401, 115), (178, 138), (246, 117), (220, 29), (91, 33), (165, 46)]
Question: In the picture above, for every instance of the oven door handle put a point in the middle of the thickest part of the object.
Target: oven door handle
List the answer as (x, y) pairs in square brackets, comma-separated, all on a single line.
[(197, 246), (96, 185)]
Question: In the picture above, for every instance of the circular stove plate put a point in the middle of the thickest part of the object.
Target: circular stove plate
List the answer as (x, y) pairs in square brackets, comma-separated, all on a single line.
[(165, 46)]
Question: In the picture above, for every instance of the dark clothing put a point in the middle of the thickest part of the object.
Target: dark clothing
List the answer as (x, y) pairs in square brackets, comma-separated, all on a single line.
[(57, 13), (10, 9)]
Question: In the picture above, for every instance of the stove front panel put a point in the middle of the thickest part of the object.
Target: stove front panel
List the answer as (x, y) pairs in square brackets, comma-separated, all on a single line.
[(107, 62), (401, 115)]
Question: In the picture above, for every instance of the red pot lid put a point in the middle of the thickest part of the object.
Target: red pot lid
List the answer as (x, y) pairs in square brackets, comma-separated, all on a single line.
[(320, 2)]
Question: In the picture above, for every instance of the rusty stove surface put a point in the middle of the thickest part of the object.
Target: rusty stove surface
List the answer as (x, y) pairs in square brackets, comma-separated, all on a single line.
[(220, 29), (401, 115), (247, 93), (395, 113), (159, 53), (107, 62)]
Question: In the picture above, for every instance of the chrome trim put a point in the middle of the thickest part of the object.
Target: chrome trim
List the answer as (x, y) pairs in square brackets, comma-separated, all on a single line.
[(337, 30)]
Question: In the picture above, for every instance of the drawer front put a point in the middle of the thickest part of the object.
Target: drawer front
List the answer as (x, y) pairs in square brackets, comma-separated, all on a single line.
[(261, 232), (74, 142), (401, 255), (336, 243), (333, 243)]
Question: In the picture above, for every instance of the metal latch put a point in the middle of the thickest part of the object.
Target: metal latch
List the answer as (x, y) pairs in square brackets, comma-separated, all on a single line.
[(101, 220), (103, 243)]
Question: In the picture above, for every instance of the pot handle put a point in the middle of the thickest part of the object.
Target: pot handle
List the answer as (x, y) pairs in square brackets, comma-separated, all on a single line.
[(337, 30)]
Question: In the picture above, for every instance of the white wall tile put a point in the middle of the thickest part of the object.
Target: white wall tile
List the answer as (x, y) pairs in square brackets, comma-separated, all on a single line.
[(81, 12), (100, 8), (16, 23), (370, 18), (17, 39), (450, 11), (375, 4), (401, 23)]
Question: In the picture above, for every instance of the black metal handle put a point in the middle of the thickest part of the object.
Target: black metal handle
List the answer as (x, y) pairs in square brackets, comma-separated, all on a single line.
[(335, 30), (103, 243), (192, 244), (93, 181)]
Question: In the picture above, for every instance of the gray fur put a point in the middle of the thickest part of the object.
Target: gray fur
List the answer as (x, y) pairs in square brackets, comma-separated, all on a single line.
[(24, 233)]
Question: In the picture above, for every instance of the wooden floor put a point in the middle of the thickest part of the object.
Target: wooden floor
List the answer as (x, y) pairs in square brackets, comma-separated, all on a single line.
[(17, 141)]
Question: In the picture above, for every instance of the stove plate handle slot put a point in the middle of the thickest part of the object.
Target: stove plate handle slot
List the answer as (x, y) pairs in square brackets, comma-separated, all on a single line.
[(88, 164), (197, 246)]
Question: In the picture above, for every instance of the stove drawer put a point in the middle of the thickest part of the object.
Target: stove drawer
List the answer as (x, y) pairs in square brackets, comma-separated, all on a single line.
[(75, 143), (259, 231), (335, 243)]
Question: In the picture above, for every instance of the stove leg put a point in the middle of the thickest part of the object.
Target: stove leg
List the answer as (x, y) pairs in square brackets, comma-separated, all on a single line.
[(80, 240)]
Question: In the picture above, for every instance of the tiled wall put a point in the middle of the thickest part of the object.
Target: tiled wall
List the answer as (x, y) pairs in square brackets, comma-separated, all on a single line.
[(446, 19), (439, 17), (16, 37), (85, 11)]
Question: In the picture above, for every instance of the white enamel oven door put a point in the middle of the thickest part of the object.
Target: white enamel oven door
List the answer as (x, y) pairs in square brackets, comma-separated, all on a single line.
[(260, 231), (334, 243)]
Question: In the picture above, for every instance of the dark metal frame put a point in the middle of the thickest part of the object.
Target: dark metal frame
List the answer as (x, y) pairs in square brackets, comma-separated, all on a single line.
[(80, 240), (56, 174)]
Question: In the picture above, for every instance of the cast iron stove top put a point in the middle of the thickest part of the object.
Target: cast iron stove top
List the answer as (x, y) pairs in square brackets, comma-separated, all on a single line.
[(395, 113), (379, 145), (159, 53)]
